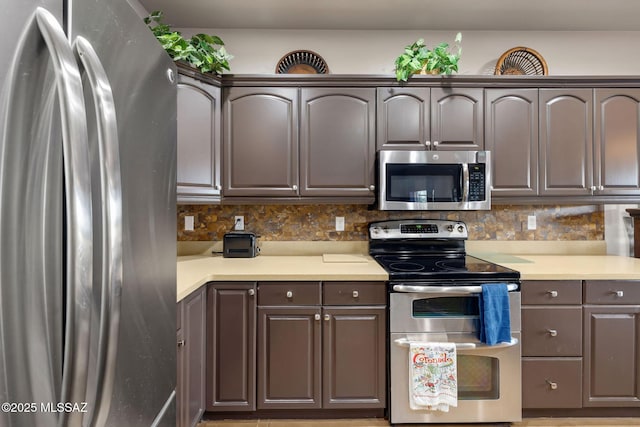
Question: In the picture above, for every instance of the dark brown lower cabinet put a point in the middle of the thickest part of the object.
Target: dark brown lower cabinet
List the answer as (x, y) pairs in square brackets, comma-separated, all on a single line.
[(612, 342), (190, 387), (289, 369), (354, 357), (313, 356), (231, 337)]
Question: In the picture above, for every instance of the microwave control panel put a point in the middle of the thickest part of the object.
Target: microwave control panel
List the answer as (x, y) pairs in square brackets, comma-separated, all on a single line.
[(477, 176)]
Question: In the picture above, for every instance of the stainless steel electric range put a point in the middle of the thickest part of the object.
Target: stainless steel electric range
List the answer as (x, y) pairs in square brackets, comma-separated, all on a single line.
[(433, 297)]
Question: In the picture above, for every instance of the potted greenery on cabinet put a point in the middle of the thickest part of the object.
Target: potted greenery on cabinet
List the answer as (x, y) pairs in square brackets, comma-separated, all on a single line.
[(200, 50), (418, 58)]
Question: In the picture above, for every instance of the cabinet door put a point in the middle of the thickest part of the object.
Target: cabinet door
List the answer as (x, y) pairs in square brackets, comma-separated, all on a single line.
[(612, 355), (198, 116), (457, 119), (260, 142), (617, 141), (511, 123), (231, 335), (337, 142), (289, 366), (566, 142), (181, 401), (354, 357), (403, 118), (193, 356)]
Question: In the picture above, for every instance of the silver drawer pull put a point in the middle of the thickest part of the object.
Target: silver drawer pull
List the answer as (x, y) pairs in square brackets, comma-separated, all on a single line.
[(317, 316), (327, 317), (552, 332), (619, 294), (356, 294), (251, 292), (553, 294), (289, 294), (552, 385)]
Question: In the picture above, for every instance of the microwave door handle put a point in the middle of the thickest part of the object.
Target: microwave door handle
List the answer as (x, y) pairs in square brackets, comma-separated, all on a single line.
[(465, 290), (465, 182)]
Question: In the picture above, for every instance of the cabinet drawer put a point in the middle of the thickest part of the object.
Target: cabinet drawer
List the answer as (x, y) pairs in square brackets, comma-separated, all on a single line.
[(289, 293), (354, 293), (552, 331), (552, 382), (612, 292), (550, 292)]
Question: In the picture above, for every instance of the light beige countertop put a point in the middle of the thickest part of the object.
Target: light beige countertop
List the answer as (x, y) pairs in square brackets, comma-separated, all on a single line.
[(539, 261), (194, 271)]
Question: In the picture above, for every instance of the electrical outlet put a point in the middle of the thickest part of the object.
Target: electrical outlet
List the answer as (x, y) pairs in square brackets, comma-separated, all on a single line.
[(531, 222), (339, 223), (238, 223), (188, 223)]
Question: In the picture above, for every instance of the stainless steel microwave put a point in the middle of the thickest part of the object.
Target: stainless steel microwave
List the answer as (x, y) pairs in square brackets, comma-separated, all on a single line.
[(434, 180)]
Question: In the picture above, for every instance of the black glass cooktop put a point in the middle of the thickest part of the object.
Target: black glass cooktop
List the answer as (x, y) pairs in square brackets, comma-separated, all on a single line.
[(437, 267)]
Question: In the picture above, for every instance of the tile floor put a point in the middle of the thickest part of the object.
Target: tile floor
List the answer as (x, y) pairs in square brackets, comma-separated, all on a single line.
[(531, 422)]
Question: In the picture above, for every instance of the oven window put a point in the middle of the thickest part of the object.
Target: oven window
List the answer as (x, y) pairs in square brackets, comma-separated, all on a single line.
[(478, 377), (459, 306), (424, 182)]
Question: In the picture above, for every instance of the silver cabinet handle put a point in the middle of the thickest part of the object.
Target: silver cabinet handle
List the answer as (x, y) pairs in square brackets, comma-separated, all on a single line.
[(406, 342), (553, 294), (552, 385), (327, 317), (217, 187), (251, 292), (111, 197), (317, 316), (289, 294), (427, 143), (593, 188), (356, 294), (372, 187), (435, 145), (552, 332), (619, 294), (600, 187), (181, 343), (294, 187), (77, 180)]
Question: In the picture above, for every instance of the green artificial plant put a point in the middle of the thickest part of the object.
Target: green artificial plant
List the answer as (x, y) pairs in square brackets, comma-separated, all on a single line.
[(418, 57), (200, 50)]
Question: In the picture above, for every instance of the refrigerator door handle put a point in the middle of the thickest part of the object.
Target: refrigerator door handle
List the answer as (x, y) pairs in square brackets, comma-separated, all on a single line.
[(111, 202), (79, 248)]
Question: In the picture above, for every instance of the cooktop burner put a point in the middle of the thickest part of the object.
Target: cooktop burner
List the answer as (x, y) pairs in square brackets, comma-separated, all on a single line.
[(429, 251), (434, 267)]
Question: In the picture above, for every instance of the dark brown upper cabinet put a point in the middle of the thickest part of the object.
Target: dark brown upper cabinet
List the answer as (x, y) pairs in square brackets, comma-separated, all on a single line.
[(511, 126), (198, 117), (260, 142), (566, 142), (430, 118), (617, 142), (325, 150), (337, 142)]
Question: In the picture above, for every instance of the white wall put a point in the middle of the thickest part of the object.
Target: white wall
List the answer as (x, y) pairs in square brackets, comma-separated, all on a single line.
[(373, 52)]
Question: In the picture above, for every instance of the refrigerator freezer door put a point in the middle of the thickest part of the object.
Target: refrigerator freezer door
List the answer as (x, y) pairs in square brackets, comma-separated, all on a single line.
[(142, 371)]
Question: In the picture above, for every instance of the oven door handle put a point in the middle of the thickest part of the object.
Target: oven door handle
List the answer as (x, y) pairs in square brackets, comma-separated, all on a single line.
[(465, 290), (404, 342)]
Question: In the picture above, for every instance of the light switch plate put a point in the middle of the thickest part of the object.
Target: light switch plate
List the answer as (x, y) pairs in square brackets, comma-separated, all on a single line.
[(188, 223), (531, 222), (339, 223)]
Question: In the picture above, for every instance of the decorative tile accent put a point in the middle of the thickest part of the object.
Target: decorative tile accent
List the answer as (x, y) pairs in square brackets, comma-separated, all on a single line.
[(317, 222)]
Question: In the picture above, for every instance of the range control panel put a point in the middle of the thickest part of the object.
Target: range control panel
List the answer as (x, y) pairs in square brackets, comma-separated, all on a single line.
[(418, 229)]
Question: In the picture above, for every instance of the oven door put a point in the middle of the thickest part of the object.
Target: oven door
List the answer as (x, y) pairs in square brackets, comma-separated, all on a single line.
[(489, 380)]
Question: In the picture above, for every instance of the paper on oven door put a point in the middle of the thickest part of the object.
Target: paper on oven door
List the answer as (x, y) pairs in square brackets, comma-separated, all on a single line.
[(433, 376)]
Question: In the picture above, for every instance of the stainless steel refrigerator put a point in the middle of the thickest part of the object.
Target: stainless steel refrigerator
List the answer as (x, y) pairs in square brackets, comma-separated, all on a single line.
[(87, 217)]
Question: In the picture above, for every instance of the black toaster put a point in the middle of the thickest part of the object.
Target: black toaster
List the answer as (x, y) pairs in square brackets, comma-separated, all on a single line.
[(240, 245)]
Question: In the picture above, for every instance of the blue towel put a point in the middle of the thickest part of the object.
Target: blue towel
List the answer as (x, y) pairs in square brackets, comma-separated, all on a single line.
[(495, 325)]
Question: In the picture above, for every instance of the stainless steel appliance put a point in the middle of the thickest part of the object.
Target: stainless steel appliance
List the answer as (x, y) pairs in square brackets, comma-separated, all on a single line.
[(433, 297), (434, 180), (88, 219)]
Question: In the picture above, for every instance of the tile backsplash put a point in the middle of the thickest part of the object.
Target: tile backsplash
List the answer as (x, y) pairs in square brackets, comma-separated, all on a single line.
[(317, 222)]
